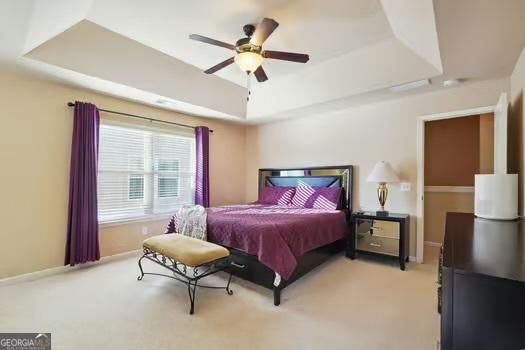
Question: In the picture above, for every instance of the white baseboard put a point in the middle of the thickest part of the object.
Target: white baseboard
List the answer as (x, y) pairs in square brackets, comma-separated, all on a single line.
[(433, 244), (63, 269), (412, 259)]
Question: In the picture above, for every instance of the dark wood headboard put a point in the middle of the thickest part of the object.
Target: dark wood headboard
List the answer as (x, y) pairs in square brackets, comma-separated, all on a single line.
[(327, 176)]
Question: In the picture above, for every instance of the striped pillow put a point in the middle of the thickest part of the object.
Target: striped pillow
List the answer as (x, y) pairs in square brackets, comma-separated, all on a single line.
[(325, 198), (303, 192)]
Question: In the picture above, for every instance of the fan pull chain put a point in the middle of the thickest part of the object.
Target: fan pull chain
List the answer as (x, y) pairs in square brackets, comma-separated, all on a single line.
[(249, 86)]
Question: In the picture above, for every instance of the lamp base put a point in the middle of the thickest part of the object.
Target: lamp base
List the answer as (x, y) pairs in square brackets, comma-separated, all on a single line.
[(382, 194)]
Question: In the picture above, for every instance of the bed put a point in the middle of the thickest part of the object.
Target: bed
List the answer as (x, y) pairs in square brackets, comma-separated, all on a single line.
[(273, 245)]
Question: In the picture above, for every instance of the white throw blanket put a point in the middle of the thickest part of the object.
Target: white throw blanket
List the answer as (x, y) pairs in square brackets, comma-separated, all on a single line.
[(191, 221)]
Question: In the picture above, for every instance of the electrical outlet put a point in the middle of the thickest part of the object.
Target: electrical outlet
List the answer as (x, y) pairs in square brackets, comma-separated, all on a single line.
[(144, 230), (405, 186)]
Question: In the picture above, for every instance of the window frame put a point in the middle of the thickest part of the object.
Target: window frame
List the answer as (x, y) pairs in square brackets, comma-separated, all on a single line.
[(152, 174)]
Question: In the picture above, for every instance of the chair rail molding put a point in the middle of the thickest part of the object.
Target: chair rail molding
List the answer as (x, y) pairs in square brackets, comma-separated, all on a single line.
[(450, 189)]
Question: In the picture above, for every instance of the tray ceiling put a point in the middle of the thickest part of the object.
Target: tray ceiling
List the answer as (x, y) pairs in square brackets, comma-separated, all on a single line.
[(140, 50)]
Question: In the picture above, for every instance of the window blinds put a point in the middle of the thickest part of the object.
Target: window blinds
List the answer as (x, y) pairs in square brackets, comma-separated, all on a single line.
[(143, 172)]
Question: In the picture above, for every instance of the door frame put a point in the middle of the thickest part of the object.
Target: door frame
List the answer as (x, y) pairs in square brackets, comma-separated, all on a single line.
[(420, 210)]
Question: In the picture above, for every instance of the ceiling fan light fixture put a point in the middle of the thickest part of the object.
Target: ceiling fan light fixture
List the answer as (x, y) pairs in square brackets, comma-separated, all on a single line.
[(248, 61), (248, 53)]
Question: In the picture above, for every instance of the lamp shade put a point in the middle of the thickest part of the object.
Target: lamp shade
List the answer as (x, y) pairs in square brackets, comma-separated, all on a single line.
[(248, 61), (382, 172)]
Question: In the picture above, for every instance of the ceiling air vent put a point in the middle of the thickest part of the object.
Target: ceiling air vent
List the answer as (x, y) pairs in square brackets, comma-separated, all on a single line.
[(410, 86), (165, 102)]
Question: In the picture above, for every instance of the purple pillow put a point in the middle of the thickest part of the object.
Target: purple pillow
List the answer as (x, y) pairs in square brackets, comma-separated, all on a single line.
[(325, 198), (276, 195)]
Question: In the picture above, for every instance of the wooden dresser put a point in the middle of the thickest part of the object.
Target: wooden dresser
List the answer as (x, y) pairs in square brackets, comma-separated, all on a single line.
[(481, 293)]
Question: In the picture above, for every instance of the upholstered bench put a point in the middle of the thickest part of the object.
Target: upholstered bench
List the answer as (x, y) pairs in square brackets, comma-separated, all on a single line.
[(189, 259)]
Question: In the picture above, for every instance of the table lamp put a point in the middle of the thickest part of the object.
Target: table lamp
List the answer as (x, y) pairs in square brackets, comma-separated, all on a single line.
[(382, 174)]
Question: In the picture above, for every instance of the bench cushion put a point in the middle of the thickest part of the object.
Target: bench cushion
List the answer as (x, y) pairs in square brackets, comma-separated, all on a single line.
[(186, 250)]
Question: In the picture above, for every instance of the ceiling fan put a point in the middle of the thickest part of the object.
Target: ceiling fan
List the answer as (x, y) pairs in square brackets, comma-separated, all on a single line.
[(249, 54)]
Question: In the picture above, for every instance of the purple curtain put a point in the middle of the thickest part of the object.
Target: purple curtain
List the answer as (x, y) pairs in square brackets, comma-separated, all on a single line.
[(82, 227), (202, 179)]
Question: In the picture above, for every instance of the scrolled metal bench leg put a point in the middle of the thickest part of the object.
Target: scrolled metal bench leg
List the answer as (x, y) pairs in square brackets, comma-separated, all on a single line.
[(228, 290), (191, 281), (139, 278), (191, 294)]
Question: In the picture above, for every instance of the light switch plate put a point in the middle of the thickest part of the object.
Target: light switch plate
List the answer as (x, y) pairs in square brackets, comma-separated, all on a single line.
[(406, 186)]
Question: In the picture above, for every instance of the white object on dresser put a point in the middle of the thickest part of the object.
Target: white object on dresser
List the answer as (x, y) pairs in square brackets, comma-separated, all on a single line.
[(496, 196)]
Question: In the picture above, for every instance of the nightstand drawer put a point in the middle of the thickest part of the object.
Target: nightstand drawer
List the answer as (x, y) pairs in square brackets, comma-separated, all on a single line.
[(383, 245), (378, 236)]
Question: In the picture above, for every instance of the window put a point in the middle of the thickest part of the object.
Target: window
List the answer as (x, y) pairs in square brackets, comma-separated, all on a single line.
[(143, 172), (136, 187), (169, 178)]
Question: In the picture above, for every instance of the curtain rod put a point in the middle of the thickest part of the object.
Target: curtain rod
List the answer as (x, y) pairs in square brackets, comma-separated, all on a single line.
[(72, 104)]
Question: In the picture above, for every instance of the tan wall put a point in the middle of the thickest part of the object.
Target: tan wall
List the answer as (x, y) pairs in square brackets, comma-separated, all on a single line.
[(437, 204), (486, 143), (35, 142), (361, 136), (517, 126), (452, 151)]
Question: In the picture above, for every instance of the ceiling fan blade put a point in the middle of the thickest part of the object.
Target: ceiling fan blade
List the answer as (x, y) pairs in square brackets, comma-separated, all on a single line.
[(286, 56), (219, 66), (260, 74), (263, 31), (207, 40)]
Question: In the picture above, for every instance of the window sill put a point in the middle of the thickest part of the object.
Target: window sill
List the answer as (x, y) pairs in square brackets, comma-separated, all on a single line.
[(148, 218)]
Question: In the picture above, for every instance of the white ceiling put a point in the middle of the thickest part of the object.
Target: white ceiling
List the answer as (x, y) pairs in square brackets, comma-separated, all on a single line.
[(98, 52), (359, 22), (140, 49)]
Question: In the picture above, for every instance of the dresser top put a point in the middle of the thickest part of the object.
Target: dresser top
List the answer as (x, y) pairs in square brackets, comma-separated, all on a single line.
[(487, 247), (386, 216)]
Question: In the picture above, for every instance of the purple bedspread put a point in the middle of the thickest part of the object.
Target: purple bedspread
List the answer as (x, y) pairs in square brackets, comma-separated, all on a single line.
[(277, 235)]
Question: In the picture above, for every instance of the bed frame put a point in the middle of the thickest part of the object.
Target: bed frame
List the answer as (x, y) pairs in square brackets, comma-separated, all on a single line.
[(250, 268)]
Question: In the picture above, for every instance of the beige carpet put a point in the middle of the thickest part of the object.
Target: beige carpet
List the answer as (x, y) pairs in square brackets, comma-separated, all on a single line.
[(344, 304)]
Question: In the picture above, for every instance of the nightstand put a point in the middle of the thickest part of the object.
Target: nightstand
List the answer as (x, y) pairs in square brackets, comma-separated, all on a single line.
[(379, 234)]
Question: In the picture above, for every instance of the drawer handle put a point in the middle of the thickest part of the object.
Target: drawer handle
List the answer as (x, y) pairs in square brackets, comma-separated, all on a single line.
[(378, 245), (240, 266)]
